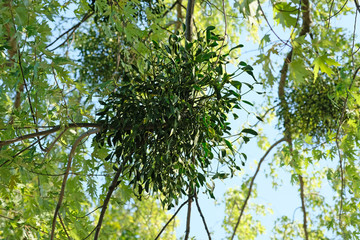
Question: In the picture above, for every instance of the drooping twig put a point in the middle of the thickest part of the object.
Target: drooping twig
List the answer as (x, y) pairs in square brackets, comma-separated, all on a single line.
[(172, 217), (252, 184), (112, 188), (202, 216), (63, 185)]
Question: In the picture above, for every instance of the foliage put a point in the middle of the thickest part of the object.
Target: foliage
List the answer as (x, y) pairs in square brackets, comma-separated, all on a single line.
[(167, 113), (167, 117)]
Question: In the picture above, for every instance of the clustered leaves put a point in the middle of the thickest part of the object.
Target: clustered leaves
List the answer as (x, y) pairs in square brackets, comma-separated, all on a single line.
[(315, 108), (167, 119)]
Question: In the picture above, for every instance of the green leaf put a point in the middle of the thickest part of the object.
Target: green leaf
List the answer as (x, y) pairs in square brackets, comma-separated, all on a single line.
[(238, 46), (250, 131), (323, 63), (285, 14)]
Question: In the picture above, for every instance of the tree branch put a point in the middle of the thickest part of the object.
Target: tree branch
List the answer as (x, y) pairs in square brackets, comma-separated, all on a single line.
[(189, 20), (112, 188), (68, 167), (252, 184), (63, 226), (187, 230), (47, 132), (202, 216), (172, 217), (302, 196), (72, 30)]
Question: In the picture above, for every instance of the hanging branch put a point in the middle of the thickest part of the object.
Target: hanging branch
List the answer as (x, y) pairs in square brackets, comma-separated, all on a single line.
[(68, 167), (202, 216), (252, 184), (172, 217), (112, 187)]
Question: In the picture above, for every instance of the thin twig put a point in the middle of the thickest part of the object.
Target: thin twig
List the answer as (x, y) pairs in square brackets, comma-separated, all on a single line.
[(267, 21), (172, 217), (331, 6), (225, 34), (68, 167), (51, 145), (63, 226), (342, 7), (252, 184), (91, 212), (72, 29), (202, 216), (21, 151), (24, 84)]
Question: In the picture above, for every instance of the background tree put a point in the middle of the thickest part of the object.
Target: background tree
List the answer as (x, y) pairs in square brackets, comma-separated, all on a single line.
[(158, 96)]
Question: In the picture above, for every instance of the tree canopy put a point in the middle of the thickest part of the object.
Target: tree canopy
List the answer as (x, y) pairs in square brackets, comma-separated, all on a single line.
[(113, 112)]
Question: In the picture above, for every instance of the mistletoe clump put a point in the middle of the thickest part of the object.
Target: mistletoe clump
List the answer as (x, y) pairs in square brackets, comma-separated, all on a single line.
[(315, 107), (168, 117)]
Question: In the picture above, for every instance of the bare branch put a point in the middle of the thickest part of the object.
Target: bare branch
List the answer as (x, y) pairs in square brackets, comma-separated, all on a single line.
[(187, 230), (202, 216), (172, 217), (112, 188), (68, 167), (252, 184)]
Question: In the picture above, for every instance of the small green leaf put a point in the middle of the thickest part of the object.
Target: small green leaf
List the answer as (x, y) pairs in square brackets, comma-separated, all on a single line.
[(250, 131)]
